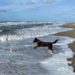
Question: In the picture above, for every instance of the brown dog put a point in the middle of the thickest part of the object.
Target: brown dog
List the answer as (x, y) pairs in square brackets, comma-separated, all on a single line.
[(44, 44)]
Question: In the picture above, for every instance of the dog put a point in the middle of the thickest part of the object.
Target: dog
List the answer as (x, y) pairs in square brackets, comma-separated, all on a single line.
[(44, 44)]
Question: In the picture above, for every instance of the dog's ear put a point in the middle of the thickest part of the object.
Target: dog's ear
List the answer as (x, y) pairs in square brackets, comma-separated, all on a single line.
[(35, 40), (35, 37)]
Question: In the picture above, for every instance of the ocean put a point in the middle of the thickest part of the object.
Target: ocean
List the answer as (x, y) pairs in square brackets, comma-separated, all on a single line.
[(17, 53)]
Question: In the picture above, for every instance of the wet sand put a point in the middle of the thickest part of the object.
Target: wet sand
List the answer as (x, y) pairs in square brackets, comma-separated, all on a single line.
[(72, 35), (69, 34)]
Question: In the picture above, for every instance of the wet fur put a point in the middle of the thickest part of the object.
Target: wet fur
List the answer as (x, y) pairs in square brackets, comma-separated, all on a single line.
[(44, 44)]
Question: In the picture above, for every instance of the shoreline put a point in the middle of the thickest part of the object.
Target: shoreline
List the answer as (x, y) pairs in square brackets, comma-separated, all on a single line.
[(71, 34)]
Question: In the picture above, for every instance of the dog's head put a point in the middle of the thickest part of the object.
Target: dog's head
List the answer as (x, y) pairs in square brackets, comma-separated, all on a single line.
[(35, 40)]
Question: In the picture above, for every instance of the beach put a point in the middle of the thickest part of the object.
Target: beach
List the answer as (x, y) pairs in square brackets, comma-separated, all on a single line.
[(69, 34), (18, 56), (72, 35)]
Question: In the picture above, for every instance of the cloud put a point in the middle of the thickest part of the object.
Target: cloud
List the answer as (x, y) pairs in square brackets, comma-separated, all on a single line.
[(37, 10), (17, 5), (25, 2)]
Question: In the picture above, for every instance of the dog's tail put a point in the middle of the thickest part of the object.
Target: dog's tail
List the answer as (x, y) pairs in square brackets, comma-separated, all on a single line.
[(55, 41)]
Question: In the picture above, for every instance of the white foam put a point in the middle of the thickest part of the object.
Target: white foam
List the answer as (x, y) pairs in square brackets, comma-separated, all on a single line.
[(58, 64), (25, 56), (33, 32)]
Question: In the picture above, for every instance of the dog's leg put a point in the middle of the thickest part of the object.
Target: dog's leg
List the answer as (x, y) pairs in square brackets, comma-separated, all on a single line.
[(52, 50), (50, 47), (35, 47)]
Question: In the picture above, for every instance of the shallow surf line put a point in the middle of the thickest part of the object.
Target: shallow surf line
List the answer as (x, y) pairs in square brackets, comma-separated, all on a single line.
[(33, 32), (58, 64), (26, 60)]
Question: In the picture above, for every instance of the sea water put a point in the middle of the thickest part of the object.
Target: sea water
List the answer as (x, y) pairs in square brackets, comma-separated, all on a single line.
[(18, 56)]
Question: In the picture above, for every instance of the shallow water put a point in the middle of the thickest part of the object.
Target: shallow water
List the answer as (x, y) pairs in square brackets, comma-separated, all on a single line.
[(18, 56)]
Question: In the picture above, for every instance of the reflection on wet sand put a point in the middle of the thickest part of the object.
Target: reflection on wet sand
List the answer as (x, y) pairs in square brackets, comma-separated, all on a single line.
[(72, 45), (72, 62)]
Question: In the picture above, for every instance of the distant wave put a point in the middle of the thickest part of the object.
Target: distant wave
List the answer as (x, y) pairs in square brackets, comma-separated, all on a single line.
[(31, 32)]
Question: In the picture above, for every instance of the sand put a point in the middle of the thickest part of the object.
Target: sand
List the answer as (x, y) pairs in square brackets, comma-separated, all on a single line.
[(69, 34), (72, 35)]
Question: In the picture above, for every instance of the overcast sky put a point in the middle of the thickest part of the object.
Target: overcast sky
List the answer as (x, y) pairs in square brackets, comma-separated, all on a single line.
[(37, 10)]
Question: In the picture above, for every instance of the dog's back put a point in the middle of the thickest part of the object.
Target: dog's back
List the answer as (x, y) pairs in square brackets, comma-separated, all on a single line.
[(44, 44)]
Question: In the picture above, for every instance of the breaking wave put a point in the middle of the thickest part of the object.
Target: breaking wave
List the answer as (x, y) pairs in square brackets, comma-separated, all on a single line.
[(18, 56)]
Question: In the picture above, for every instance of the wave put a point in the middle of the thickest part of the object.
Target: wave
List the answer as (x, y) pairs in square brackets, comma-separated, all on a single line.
[(32, 32), (18, 56), (58, 64)]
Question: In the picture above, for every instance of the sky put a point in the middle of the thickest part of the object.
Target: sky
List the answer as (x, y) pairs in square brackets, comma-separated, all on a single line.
[(37, 10)]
